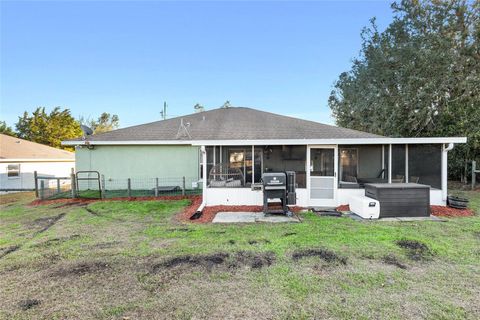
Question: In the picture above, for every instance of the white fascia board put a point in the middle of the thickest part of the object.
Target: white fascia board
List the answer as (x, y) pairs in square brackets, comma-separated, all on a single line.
[(35, 160), (133, 142), (276, 141), (333, 141)]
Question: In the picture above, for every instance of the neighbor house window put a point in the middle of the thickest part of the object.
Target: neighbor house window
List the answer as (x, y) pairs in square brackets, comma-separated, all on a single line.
[(13, 170)]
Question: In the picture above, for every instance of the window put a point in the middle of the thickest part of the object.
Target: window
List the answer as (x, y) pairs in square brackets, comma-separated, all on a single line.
[(13, 170)]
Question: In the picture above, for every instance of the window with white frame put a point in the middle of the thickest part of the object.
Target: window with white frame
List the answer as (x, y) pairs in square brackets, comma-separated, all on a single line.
[(13, 171)]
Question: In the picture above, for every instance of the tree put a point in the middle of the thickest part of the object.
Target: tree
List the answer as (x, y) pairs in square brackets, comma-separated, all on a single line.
[(5, 129), (419, 77), (50, 129), (104, 123)]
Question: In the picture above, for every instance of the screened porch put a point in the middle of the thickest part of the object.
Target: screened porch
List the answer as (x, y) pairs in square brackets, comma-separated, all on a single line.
[(415, 163), (243, 166)]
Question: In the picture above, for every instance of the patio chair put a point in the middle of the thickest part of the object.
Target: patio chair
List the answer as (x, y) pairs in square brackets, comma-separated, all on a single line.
[(414, 179)]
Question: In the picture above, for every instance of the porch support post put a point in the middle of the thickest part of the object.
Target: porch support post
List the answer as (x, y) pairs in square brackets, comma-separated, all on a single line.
[(214, 155), (253, 164), (383, 161), (445, 170), (204, 173), (389, 163), (406, 163)]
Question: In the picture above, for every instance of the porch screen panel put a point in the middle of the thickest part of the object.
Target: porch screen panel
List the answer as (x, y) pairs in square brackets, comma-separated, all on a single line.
[(425, 164), (398, 163), (286, 158)]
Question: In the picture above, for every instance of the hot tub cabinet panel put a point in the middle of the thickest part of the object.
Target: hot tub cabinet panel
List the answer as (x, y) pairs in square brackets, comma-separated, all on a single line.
[(400, 199)]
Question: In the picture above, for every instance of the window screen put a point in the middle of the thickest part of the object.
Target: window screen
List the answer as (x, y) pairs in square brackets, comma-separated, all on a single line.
[(425, 164), (398, 163)]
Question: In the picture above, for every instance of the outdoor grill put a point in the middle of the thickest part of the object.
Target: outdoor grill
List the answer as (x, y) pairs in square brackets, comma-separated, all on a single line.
[(279, 185)]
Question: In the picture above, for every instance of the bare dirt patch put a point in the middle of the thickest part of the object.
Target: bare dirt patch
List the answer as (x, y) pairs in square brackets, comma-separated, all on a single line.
[(179, 230), (254, 260), (28, 304), (324, 254), (81, 268), (240, 259), (46, 223), (288, 234), (258, 241), (8, 250), (57, 241), (393, 260), (91, 211), (206, 261), (415, 250), (71, 204)]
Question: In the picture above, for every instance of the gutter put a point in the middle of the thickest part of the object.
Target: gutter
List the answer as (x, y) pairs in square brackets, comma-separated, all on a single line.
[(198, 213)]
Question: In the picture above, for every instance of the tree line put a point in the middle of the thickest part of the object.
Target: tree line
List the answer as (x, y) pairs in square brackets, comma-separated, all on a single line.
[(418, 77), (51, 128)]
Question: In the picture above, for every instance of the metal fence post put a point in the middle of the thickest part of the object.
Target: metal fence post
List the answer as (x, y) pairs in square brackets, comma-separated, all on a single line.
[(183, 186), (36, 183), (42, 189), (102, 186), (156, 187), (129, 187)]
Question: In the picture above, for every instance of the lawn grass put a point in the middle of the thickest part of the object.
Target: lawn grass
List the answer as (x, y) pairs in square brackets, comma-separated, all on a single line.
[(114, 260)]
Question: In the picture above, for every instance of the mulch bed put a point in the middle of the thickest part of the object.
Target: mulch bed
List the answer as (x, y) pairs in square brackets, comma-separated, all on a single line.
[(441, 211), (79, 201), (438, 211)]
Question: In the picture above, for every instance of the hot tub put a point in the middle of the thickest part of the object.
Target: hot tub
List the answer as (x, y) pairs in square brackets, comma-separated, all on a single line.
[(400, 199)]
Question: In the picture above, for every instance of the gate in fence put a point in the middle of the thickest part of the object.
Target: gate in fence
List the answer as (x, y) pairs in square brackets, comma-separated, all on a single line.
[(88, 184)]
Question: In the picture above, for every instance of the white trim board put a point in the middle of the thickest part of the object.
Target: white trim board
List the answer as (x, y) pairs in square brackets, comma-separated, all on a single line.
[(35, 160), (276, 141)]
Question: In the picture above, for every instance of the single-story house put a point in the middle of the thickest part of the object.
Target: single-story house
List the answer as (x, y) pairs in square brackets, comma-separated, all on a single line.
[(20, 158), (228, 149)]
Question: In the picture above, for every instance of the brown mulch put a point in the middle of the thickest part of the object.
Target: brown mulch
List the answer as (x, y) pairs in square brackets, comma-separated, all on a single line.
[(343, 207), (441, 211), (79, 201), (438, 211)]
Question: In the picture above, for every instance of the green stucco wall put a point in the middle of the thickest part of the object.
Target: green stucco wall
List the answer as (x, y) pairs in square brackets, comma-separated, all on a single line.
[(119, 162)]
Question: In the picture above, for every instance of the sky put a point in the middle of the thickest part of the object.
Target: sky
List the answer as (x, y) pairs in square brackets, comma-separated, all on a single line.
[(128, 57)]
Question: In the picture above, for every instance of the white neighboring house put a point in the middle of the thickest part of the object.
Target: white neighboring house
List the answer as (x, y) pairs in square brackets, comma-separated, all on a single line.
[(20, 158)]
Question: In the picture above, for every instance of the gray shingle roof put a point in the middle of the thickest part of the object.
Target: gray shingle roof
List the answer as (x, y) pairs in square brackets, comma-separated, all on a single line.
[(234, 123)]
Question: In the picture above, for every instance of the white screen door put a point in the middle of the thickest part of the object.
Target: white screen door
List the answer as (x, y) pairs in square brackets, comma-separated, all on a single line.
[(322, 176)]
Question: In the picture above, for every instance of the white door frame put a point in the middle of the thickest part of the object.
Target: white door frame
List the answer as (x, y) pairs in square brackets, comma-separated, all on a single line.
[(322, 202)]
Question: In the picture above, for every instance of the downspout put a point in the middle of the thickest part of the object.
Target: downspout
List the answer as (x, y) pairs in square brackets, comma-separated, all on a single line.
[(445, 170), (198, 213)]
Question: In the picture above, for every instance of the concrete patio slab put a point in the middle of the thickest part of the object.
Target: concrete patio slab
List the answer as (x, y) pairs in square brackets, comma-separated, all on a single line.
[(251, 217), (395, 219)]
